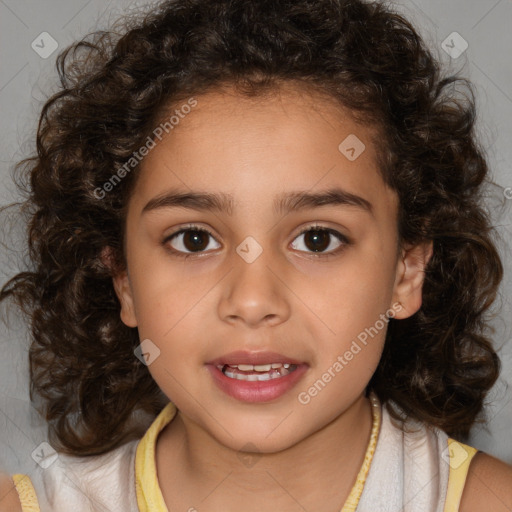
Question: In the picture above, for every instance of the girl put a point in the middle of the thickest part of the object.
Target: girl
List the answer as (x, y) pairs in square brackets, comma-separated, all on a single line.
[(260, 224)]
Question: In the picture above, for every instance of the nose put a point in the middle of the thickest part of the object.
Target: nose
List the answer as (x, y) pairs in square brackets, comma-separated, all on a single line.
[(256, 293)]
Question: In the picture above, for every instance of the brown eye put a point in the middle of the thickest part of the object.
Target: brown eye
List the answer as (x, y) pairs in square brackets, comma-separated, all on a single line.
[(319, 239), (190, 240)]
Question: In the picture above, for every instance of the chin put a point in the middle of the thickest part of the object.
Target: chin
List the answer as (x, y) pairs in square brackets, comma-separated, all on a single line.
[(256, 440)]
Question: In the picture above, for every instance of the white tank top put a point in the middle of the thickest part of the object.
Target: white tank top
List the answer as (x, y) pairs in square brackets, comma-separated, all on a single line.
[(414, 468)]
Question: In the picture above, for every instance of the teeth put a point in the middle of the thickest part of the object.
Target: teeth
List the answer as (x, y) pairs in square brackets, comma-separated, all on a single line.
[(262, 367), (261, 372), (259, 367), (244, 367), (254, 377)]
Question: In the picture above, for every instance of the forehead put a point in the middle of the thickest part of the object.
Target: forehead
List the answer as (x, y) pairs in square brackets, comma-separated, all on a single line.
[(255, 148)]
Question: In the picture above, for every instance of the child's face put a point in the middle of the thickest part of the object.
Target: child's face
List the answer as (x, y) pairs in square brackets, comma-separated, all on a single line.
[(289, 300)]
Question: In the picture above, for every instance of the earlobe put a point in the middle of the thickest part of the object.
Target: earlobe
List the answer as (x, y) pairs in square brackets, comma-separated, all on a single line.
[(410, 275), (123, 291)]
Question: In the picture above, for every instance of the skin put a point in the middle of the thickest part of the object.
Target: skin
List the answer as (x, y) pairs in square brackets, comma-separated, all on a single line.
[(288, 300), (9, 500)]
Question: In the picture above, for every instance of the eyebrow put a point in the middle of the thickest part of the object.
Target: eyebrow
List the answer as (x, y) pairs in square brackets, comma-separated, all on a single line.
[(283, 204)]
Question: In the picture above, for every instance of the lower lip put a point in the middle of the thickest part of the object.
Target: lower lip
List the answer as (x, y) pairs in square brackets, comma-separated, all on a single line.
[(257, 391)]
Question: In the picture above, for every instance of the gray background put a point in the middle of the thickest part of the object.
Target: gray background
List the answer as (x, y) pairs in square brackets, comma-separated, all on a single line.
[(26, 79)]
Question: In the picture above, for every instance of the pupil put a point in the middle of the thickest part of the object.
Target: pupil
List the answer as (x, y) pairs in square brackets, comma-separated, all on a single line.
[(194, 240), (320, 238)]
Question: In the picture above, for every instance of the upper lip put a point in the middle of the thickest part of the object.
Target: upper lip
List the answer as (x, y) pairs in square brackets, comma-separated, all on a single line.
[(254, 358)]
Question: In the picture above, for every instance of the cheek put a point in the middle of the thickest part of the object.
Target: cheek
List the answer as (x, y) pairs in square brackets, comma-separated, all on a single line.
[(351, 318), (172, 311), (353, 293), (164, 296)]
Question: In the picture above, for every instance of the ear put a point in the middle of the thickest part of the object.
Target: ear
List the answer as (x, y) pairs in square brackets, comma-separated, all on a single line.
[(410, 274), (124, 293), (122, 287)]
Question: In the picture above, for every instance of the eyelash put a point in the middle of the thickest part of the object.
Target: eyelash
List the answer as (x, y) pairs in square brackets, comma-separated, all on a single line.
[(192, 227)]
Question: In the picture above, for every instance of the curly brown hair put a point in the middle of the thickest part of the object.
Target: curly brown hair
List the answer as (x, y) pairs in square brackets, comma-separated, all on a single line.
[(437, 366)]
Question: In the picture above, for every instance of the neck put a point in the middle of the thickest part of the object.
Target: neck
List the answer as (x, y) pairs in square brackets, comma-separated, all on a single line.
[(320, 469)]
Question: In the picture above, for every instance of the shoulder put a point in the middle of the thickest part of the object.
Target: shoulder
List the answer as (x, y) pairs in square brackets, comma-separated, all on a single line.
[(488, 485), (9, 499)]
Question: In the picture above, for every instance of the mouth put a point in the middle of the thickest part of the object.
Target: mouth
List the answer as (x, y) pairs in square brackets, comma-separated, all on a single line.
[(256, 376), (256, 372)]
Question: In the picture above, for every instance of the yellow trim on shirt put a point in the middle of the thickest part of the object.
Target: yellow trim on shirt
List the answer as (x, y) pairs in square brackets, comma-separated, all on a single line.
[(357, 490), (461, 456), (26, 493), (149, 495)]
